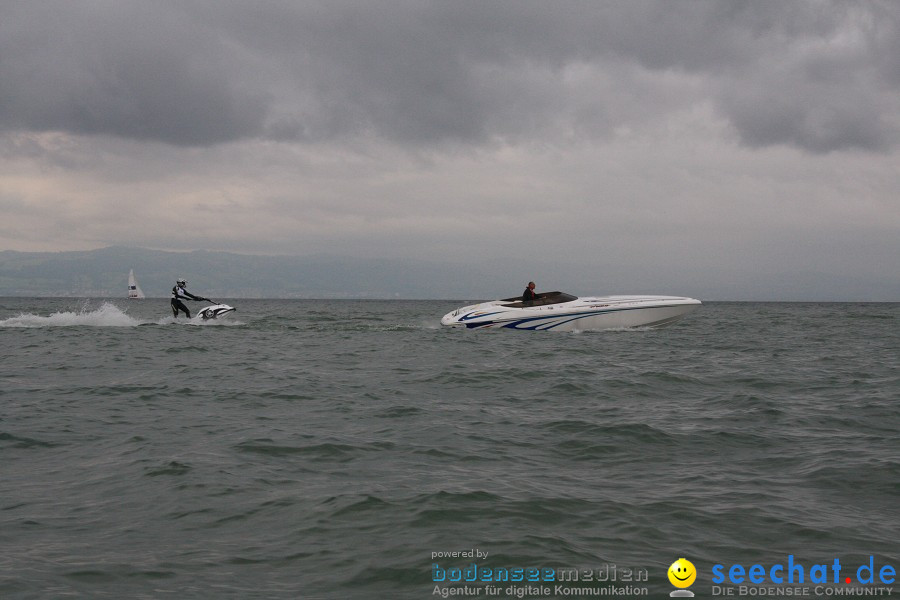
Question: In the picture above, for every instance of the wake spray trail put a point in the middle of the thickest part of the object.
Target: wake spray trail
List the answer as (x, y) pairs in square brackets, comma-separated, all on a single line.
[(107, 315)]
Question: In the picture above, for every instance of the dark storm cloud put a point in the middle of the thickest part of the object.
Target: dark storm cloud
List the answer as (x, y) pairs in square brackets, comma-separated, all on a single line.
[(134, 70), (821, 76)]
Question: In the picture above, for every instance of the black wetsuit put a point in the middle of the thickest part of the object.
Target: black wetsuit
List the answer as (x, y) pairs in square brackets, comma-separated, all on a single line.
[(528, 295), (179, 293)]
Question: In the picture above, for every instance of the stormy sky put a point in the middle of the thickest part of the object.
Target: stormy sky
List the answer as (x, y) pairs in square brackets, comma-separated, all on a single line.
[(734, 149)]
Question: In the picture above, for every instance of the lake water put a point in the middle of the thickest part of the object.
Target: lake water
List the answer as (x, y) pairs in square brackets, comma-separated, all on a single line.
[(345, 449)]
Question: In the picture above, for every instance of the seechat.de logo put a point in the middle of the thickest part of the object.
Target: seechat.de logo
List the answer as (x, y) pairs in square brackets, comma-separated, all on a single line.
[(682, 575)]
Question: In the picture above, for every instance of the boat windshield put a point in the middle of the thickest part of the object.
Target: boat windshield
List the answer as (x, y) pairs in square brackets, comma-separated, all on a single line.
[(542, 299)]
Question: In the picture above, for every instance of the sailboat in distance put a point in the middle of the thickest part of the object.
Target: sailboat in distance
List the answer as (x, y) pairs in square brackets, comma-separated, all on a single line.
[(134, 290)]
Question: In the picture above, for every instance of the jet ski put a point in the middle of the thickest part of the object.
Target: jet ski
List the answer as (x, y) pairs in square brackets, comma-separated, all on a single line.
[(564, 312), (215, 311)]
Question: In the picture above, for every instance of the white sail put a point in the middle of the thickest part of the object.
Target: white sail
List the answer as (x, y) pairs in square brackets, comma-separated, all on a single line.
[(134, 290)]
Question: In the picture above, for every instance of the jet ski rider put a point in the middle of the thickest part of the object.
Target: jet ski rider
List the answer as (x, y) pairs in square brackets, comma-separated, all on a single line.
[(179, 294)]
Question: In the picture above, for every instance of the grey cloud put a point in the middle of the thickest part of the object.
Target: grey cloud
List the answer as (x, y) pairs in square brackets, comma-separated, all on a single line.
[(121, 69), (821, 81), (807, 116), (820, 76)]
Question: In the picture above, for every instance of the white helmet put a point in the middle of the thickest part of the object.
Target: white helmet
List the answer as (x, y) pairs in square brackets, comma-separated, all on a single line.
[(181, 281)]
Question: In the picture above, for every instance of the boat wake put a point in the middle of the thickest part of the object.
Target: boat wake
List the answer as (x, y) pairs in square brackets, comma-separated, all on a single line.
[(107, 315), (196, 322)]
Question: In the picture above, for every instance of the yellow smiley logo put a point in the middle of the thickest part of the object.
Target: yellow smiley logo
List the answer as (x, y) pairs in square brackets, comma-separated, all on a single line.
[(682, 573)]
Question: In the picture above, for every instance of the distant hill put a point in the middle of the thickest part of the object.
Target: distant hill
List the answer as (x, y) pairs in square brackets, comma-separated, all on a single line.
[(104, 273)]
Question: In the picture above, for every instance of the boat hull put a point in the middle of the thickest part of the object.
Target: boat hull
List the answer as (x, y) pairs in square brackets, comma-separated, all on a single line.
[(582, 314), (215, 311)]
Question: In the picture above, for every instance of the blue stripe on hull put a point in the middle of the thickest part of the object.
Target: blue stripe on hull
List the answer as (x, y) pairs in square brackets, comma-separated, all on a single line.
[(544, 320)]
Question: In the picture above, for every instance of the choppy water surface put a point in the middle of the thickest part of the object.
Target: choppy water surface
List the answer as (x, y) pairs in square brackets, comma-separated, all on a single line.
[(306, 449)]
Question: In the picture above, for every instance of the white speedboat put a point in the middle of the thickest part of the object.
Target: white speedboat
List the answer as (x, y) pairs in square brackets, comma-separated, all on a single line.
[(563, 312)]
